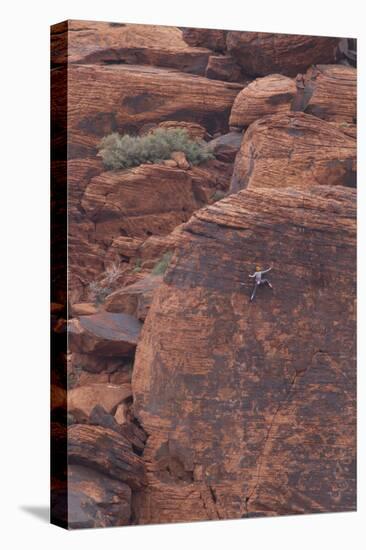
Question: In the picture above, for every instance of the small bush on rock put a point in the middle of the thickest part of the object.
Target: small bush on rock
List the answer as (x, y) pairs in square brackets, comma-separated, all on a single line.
[(125, 151), (161, 266)]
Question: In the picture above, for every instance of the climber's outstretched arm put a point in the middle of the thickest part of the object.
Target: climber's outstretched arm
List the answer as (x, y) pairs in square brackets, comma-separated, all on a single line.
[(252, 275), (266, 270)]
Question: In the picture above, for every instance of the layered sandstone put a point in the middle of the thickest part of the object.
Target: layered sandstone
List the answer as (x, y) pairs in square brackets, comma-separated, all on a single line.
[(99, 42), (250, 407), (294, 149), (261, 53), (109, 98)]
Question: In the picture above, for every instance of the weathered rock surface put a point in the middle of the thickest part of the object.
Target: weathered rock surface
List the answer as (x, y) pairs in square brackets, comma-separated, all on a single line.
[(264, 96), (104, 334), (329, 92), (261, 53), (294, 149), (84, 308), (214, 39), (104, 99), (225, 147), (194, 130), (134, 299), (96, 500), (113, 202), (250, 407), (108, 396), (224, 67), (106, 451), (98, 42)]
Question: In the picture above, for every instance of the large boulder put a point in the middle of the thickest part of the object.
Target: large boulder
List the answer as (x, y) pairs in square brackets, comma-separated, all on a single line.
[(134, 299), (294, 149), (98, 42), (104, 334), (108, 98), (147, 200), (250, 406), (264, 96), (261, 53), (329, 92), (326, 91), (108, 396)]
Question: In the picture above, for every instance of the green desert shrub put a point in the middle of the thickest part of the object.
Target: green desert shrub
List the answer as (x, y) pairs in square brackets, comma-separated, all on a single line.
[(125, 151), (161, 266)]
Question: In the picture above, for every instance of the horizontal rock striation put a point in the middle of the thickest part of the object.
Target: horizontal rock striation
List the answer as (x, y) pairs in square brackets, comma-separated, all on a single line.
[(294, 149), (250, 407), (261, 53)]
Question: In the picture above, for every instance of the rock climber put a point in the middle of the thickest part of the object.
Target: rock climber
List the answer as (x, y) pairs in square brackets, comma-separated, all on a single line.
[(259, 280)]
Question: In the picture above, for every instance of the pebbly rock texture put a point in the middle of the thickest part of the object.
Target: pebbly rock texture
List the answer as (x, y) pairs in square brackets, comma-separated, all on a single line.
[(261, 53), (250, 407), (329, 92), (264, 96), (98, 42), (294, 149), (134, 299), (214, 39), (104, 334), (96, 500), (109, 98)]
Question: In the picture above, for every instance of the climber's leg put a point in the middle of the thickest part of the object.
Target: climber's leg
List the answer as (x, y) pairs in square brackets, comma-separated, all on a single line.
[(266, 281), (253, 293)]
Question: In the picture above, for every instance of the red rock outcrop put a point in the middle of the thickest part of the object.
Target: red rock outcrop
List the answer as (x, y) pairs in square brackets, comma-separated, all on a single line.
[(134, 299), (261, 53), (106, 451), (104, 334), (250, 407), (264, 96), (214, 39), (329, 92), (98, 42), (326, 91), (104, 99), (294, 149), (96, 500), (224, 67)]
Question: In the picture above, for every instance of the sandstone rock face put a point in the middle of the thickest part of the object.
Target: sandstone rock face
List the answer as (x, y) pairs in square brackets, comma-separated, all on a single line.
[(108, 396), (96, 500), (194, 130), (261, 54), (264, 96), (329, 92), (98, 42), (83, 309), (106, 451), (224, 67), (225, 147), (134, 299), (250, 407), (104, 334), (122, 98), (214, 39), (294, 149)]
